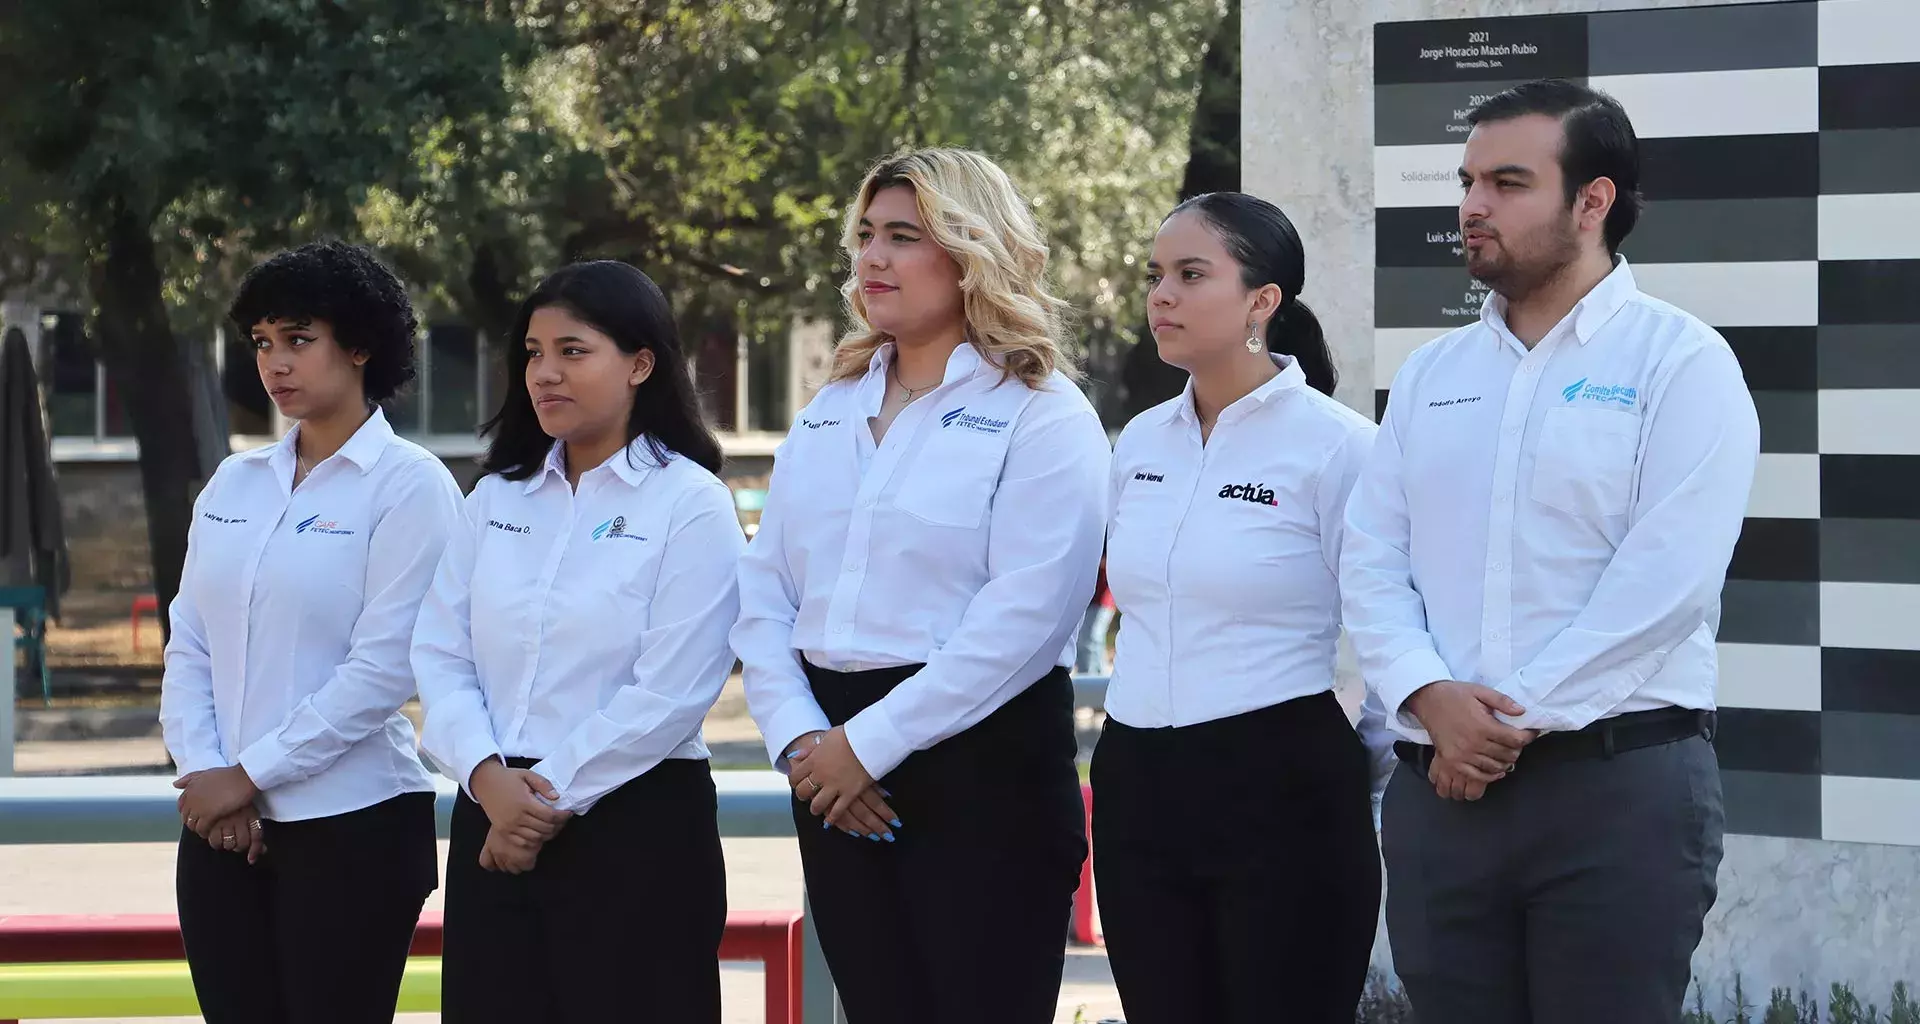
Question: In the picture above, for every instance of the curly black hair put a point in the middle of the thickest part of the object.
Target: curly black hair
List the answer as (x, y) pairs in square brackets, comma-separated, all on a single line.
[(353, 291)]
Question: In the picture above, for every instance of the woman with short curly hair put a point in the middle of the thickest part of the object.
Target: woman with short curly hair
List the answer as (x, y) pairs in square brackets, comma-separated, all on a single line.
[(931, 536), (308, 846)]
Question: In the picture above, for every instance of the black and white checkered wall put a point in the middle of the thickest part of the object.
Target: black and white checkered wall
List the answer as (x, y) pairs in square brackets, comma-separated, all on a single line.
[(1781, 161)]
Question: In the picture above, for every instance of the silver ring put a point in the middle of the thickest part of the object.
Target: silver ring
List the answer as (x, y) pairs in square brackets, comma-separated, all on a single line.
[(227, 839), (254, 824)]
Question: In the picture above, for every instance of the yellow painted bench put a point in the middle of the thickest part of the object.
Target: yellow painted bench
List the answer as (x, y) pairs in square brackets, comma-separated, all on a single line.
[(148, 988)]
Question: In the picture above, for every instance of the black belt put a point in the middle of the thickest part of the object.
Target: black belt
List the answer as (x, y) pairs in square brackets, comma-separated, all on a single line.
[(1602, 739)]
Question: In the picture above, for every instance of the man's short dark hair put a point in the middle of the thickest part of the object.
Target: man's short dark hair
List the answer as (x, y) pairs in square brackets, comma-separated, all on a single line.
[(1599, 142), (348, 287)]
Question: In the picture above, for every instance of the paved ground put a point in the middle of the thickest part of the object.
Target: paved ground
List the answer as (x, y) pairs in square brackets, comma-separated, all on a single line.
[(762, 874)]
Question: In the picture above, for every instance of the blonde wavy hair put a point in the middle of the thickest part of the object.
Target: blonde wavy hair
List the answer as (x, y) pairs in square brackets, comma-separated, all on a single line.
[(971, 208)]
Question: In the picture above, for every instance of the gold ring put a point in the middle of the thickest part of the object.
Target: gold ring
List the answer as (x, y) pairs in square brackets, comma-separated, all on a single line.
[(226, 840), (816, 786)]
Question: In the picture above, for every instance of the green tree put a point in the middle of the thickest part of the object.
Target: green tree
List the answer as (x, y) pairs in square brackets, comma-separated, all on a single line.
[(154, 135)]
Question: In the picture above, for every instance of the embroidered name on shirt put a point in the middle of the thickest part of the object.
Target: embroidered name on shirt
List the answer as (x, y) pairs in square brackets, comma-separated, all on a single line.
[(314, 524), (1452, 401), (1607, 394), (1152, 478), (1256, 493), (221, 519), (817, 424), (615, 529), (970, 421), (508, 527)]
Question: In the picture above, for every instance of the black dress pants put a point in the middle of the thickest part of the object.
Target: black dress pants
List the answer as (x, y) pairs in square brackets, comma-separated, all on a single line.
[(1237, 869), (318, 929), (620, 919), (964, 918)]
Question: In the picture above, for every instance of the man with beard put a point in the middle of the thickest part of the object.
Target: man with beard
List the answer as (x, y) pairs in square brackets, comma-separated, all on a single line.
[(1531, 577)]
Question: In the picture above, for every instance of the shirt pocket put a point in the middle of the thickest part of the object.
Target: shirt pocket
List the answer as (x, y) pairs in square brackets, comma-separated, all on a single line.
[(952, 480), (1584, 462)]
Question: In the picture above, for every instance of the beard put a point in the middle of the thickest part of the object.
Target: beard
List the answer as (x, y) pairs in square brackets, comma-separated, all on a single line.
[(1518, 266)]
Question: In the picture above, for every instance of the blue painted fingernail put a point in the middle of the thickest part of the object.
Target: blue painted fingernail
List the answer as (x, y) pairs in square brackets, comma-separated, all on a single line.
[(895, 822), (888, 837), (886, 794), (791, 753), (873, 837), (824, 826)]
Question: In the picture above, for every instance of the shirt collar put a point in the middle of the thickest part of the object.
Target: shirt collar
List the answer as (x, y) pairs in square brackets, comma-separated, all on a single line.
[(1587, 316), (1290, 377), (965, 361), (631, 464), (363, 449)]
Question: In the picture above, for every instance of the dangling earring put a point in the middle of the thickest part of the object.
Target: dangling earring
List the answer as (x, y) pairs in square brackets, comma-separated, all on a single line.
[(1253, 336)]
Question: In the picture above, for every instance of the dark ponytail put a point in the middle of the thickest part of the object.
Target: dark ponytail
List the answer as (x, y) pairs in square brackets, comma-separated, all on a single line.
[(1263, 241)]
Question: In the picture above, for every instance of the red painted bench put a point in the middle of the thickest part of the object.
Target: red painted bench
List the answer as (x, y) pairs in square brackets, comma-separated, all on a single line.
[(773, 938), (143, 603)]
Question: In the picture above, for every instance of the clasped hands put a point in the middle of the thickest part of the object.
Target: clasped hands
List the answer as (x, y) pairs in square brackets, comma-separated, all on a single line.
[(825, 775), (1471, 749), (216, 804), (522, 821)]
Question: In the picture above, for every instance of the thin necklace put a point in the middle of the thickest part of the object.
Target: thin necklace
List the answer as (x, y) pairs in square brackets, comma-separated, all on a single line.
[(906, 393)]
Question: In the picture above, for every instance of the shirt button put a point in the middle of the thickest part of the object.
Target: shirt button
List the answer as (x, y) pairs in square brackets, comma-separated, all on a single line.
[(866, 502), (839, 629), (1502, 499), (1499, 567), (1495, 635)]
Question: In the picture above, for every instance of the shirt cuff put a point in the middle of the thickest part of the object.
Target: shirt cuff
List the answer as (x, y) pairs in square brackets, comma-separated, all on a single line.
[(268, 763), (876, 743), (794, 719), (1403, 678), (467, 757), (203, 762)]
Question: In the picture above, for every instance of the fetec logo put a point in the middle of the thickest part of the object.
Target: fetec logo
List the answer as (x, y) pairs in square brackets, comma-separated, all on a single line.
[(314, 524), (1606, 394), (978, 424), (614, 529)]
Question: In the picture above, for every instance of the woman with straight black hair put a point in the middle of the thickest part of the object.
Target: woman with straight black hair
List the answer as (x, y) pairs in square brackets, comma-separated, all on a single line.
[(1237, 857), (307, 848), (574, 638)]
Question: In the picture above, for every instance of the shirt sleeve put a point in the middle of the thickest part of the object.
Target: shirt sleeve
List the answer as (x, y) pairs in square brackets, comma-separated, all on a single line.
[(1045, 533), (684, 659), (367, 688), (1333, 491), (1383, 612), (778, 695), (187, 719), (1696, 469), (457, 733)]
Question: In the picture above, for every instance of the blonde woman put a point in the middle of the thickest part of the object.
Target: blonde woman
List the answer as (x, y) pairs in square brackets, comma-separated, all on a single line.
[(930, 539)]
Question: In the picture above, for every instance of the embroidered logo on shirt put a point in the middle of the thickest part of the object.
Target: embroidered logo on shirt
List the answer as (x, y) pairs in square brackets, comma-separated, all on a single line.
[(959, 417), (315, 524), (615, 529), (1607, 394), (221, 519), (1453, 401), (817, 424), (1256, 493), (508, 527), (1152, 478)]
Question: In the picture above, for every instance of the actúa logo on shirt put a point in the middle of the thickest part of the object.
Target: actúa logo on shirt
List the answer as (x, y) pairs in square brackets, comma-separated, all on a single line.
[(1258, 494), (315, 524), (1606, 394), (960, 417), (615, 529)]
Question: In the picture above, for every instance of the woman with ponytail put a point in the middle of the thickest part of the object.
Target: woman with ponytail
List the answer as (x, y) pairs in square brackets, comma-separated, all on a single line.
[(1223, 553)]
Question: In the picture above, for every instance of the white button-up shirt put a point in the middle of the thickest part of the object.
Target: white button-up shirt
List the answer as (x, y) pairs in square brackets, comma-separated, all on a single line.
[(1224, 557), (288, 653), (968, 540), (1554, 523), (586, 629)]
